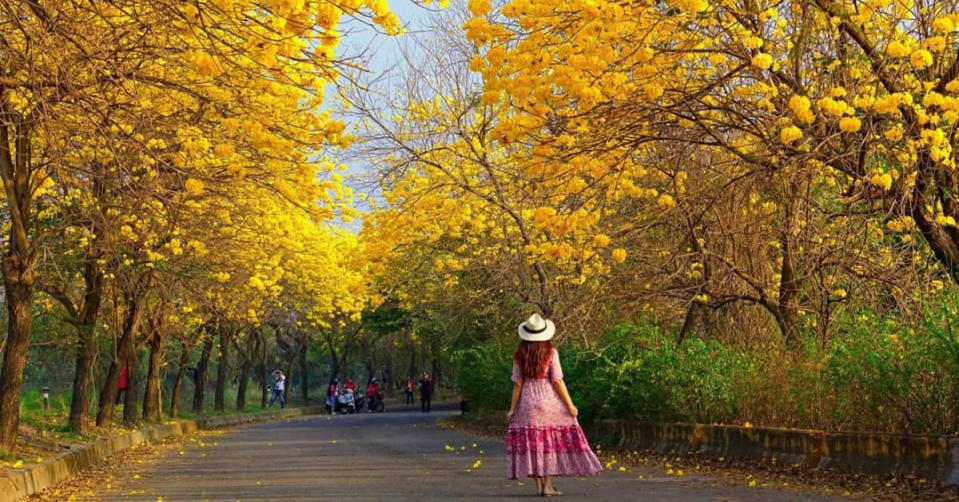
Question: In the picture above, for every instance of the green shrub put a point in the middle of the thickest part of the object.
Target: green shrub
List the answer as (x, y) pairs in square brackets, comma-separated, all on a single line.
[(483, 374), (874, 374)]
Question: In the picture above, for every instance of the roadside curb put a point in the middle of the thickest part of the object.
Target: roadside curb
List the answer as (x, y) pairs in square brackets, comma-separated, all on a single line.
[(935, 458), (932, 457), (20, 483)]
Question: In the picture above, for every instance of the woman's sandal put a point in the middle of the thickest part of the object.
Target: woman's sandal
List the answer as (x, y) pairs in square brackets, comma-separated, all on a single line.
[(554, 493)]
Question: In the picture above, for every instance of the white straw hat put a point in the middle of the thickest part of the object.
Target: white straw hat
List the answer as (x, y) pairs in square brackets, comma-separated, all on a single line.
[(536, 329)]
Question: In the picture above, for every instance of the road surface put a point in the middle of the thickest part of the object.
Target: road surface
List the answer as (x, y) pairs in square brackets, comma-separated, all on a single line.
[(401, 455)]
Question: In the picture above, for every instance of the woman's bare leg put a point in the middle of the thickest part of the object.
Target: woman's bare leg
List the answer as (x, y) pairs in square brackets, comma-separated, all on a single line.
[(539, 484), (548, 489)]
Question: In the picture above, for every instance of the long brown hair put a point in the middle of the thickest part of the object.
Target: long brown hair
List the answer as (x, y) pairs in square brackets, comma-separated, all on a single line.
[(533, 357)]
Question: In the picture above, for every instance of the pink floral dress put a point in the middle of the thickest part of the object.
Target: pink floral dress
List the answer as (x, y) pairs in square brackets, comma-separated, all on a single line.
[(544, 439)]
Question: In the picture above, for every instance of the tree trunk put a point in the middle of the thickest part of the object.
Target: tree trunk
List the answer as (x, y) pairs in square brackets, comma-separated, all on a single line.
[(80, 402), (132, 395), (178, 382), (18, 286), (287, 394), (263, 372), (151, 397), (693, 314), (304, 373), (412, 373), (221, 371), (202, 367), (242, 384), (246, 365), (789, 283), (124, 352), (89, 311)]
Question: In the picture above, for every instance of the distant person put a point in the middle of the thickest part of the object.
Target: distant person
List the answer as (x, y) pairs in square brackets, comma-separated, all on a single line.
[(464, 406), (331, 393), (425, 383), (122, 384), (349, 385), (279, 386), (544, 438), (373, 393), (408, 390)]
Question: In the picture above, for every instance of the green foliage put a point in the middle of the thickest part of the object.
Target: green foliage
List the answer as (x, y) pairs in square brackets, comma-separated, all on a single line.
[(875, 374), (637, 372), (483, 374), (890, 373)]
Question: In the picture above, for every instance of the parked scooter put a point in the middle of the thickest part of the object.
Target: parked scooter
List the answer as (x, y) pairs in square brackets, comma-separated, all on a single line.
[(345, 402)]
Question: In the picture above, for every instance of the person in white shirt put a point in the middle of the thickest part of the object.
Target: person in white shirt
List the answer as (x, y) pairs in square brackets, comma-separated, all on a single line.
[(278, 388)]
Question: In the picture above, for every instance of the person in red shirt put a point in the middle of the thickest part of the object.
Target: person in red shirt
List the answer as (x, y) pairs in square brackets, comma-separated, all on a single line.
[(123, 383), (373, 393), (349, 385), (408, 388)]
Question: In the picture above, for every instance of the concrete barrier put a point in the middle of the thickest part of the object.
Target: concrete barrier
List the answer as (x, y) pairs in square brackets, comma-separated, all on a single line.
[(931, 457), (19, 483)]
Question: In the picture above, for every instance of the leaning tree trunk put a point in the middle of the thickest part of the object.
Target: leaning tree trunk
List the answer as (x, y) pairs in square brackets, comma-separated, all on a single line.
[(18, 286), (132, 396), (151, 397), (178, 381), (202, 367), (125, 349), (221, 371)]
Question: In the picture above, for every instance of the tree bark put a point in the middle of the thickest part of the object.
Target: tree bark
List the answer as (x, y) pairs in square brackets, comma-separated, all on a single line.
[(132, 396), (788, 319), (151, 397), (221, 371), (202, 367), (304, 375), (246, 365), (178, 382), (263, 372), (290, 368), (18, 285)]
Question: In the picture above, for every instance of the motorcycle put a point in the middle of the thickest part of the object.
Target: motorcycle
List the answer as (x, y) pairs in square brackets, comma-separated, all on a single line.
[(375, 404)]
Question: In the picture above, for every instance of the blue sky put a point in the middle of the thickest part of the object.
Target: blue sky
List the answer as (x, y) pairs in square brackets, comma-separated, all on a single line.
[(381, 52)]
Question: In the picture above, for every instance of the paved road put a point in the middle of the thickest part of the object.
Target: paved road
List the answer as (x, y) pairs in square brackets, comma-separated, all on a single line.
[(396, 456)]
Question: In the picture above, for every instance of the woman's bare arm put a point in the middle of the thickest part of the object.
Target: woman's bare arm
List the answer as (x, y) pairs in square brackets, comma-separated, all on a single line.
[(560, 387), (517, 391)]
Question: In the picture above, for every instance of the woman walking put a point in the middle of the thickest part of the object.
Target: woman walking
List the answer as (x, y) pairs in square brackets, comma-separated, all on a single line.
[(544, 438)]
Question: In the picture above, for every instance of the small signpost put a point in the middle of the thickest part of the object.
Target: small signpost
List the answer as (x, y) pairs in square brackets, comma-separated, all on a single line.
[(46, 402)]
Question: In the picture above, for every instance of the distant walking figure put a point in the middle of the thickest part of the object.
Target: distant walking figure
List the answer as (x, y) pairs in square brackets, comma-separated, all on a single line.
[(425, 384), (408, 390), (279, 388), (544, 438)]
